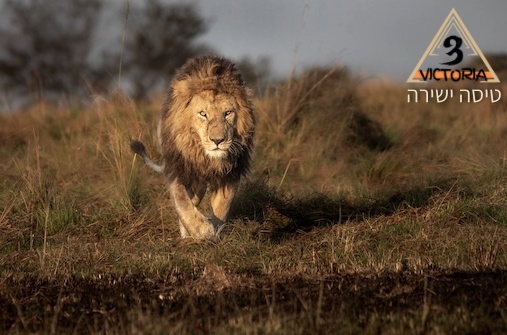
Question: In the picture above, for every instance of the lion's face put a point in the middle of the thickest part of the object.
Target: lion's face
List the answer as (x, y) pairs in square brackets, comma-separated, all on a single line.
[(207, 124), (213, 118)]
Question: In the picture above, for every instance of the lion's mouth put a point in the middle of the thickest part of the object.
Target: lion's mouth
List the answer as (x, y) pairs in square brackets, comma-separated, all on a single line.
[(217, 153)]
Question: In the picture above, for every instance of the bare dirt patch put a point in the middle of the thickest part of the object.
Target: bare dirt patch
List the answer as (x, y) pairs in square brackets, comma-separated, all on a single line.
[(451, 302)]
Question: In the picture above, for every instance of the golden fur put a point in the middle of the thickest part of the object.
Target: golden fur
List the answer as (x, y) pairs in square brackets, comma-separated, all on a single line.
[(206, 131)]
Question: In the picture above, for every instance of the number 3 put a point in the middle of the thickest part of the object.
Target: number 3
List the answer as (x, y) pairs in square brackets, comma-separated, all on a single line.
[(455, 50)]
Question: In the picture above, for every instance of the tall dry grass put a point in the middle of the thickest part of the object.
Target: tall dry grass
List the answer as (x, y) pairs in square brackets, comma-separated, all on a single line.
[(346, 172), (348, 182)]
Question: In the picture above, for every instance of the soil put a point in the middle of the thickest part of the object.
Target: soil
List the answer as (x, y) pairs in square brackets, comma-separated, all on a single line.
[(94, 305)]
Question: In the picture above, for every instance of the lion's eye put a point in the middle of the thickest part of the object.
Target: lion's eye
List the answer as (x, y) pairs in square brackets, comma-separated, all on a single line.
[(228, 113), (203, 114)]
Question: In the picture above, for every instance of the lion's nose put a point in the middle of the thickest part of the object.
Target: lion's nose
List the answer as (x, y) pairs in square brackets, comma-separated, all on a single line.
[(217, 140)]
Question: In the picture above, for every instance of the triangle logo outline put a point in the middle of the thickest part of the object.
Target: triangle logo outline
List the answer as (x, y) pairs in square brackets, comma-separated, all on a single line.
[(453, 20)]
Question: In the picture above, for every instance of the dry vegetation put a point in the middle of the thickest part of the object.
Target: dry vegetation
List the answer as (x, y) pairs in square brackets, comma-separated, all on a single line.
[(363, 213)]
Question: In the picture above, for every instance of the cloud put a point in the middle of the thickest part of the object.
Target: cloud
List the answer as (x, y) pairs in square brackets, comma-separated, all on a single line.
[(385, 38)]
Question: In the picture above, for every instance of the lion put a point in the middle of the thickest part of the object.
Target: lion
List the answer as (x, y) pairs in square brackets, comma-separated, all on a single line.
[(205, 134)]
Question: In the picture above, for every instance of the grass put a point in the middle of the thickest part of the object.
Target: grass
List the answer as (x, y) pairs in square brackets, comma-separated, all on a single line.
[(362, 213)]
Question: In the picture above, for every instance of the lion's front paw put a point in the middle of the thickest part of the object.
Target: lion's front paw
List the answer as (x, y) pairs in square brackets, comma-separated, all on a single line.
[(201, 228), (205, 230)]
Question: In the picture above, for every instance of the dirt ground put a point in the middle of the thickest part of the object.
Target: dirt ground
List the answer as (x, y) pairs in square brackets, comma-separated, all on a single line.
[(426, 302)]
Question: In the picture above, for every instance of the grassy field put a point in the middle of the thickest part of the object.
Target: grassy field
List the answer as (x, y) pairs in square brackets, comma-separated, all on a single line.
[(363, 214)]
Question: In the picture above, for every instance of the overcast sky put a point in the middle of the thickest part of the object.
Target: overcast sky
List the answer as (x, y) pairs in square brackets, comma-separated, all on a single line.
[(378, 38)]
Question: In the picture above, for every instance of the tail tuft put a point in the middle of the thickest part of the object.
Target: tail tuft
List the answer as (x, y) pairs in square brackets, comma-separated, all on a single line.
[(138, 148)]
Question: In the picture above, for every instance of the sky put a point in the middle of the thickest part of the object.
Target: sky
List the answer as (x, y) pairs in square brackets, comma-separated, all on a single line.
[(375, 38)]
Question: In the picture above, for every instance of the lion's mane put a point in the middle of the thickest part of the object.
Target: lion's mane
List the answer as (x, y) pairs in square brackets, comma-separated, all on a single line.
[(182, 152)]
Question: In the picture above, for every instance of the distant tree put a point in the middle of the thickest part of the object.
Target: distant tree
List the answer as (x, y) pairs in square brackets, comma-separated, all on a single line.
[(497, 61), (159, 39), (255, 73), (45, 47), (48, 48)]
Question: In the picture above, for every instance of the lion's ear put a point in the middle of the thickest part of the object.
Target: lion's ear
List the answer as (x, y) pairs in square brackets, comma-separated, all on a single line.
[(181, 88), (182, 92)]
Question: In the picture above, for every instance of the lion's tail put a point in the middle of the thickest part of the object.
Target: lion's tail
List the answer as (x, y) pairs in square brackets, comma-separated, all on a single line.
[(138, 148)]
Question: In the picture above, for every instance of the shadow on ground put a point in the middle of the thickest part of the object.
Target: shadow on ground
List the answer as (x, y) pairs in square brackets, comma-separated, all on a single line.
[(257, 200)]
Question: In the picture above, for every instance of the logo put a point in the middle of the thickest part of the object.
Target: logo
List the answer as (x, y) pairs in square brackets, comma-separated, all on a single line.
[(453, 56)]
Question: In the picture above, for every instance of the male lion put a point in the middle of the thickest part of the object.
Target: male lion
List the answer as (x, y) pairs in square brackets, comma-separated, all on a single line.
[(205, 133)]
